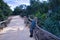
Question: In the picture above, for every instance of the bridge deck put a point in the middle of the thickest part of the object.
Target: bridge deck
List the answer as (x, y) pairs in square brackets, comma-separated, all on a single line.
[(16, 30)]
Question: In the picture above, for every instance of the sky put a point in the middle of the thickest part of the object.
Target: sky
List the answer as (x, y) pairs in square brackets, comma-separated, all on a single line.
[(14, 3)]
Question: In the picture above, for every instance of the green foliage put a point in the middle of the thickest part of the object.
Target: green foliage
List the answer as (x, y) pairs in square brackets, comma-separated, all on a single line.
[(20, 10), (5, 10), (17, 11), (47, 21)]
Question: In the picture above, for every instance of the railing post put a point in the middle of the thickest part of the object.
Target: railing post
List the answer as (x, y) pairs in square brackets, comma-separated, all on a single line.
[(4, 24), (1, 26), (40, 34)]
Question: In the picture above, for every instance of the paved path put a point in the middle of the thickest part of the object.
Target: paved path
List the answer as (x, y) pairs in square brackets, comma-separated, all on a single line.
[(16, 30)]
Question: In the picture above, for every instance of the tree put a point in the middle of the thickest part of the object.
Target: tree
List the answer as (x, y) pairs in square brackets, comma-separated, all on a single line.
[(5, 10), (20, 10), (17, 11), (48, 14)]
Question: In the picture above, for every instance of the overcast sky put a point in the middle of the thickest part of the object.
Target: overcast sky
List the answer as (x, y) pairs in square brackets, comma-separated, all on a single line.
[(14, 3)]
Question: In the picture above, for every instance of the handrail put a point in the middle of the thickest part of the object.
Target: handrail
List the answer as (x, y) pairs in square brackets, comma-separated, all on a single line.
[(47, 32), (3, 21)]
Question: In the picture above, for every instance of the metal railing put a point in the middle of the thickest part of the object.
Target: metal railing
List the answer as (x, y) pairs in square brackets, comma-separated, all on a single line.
[(41, 34), (4, 23)]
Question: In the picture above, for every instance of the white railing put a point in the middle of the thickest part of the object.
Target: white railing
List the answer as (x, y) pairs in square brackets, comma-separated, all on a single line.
[(46, 33), (4, 23)]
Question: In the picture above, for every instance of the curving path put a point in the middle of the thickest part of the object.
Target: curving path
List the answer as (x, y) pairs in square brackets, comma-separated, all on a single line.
[(16, 30)]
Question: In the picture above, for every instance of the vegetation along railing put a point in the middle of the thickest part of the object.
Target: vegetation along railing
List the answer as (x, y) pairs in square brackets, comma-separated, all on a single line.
[(41, 34), (3, 24)]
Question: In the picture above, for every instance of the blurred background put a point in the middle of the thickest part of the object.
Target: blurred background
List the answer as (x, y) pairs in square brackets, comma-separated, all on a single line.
[(47, 12)]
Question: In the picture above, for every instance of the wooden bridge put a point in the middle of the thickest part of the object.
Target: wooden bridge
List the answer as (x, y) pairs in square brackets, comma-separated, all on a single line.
[(16, 30)]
